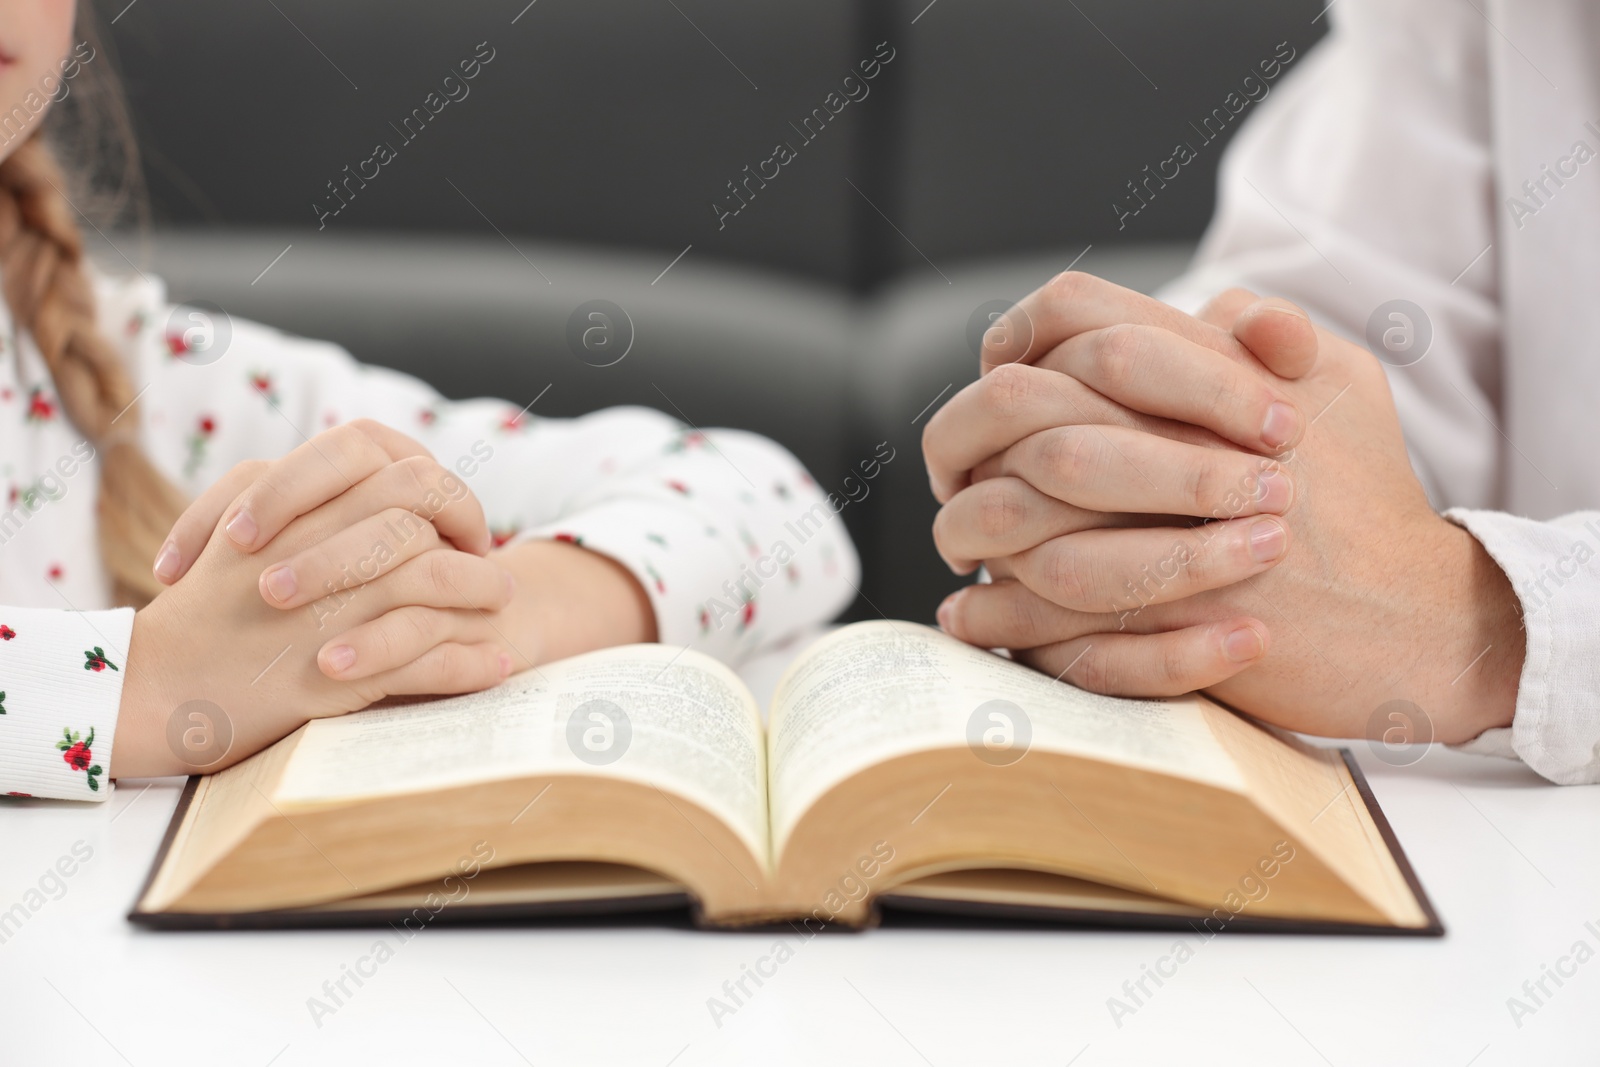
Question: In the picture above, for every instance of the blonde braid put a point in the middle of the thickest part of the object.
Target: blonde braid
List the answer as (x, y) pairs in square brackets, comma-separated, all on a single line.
[(42, 271)]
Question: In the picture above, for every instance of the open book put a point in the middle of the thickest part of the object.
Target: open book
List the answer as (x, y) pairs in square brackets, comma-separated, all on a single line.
[(900, 768)]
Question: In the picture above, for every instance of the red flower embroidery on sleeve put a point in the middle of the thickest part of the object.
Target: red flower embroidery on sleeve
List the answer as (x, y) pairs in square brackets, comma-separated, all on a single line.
[(96, 660), (262, 383), (40, 407), (197, 444), (678, 487), (686, 440), (6, 632), (79, 755), (655, 576), (56, 572)]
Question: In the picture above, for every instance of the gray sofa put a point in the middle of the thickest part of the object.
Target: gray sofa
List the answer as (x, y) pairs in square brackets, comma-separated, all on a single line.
[(591, 159)]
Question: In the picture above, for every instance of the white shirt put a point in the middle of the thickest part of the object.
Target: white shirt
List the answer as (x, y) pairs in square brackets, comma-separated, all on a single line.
[(735, 544), (1390, 163)]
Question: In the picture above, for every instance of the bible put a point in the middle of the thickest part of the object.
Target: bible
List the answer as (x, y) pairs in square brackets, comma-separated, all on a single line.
[(901, 772)]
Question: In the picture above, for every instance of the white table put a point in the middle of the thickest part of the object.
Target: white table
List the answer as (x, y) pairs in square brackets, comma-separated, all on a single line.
[(1512, 864)]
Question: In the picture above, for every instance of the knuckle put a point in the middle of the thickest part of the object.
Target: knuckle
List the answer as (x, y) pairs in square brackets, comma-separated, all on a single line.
[(360, 441), (1071, 286), (418, 628), (1069, 452), (449, 663), (1000, 511), (362, 427), (1199, 564), (1173, 666), (418, 475), (388, 642), (1225, 303), (409, 524), (1202, 482), (1094, 671), (318, 560), (440, 576), (1233, 393), (460, 665), (1007, 392), (1069, 576), (345, 439), (1021, 618), (1119, 352), (267, 490)]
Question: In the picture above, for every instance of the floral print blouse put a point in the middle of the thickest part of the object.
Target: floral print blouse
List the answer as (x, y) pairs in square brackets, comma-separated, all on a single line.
[(734, 542)]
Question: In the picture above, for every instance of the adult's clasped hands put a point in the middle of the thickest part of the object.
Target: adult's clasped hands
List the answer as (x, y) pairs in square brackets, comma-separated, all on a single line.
[(1221, 502)]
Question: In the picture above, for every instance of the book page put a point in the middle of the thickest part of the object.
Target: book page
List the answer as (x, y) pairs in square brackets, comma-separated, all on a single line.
[(663, 716), (876, 690)]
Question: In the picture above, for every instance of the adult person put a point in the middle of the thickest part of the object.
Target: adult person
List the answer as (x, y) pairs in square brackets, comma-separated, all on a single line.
[(1420, 528)]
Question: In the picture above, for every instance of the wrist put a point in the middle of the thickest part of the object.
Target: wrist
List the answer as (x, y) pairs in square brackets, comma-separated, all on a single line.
[(571, 600), (140, 749), (1480, 667)]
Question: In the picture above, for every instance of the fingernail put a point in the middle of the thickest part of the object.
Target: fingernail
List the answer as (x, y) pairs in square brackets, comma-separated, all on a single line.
[(1274, 492), (505, 664), (1267, 540), (166, 567), (1281, 424), (944, 612), (1243, 645), (281, 584), (242, 529), (1282, 309), (341, 658)]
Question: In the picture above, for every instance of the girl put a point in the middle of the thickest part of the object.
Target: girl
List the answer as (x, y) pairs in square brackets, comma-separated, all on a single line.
[(353, 566)]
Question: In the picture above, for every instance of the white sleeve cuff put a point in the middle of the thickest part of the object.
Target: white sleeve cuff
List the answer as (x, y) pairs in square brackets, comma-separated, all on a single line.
[(61, 675), (676, 554), (1554, 568)]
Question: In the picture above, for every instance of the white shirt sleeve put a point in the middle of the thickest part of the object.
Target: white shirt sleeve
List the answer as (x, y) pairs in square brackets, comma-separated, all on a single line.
[(1554, 567), (736, 545), (63, 684), (1312, 206)]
